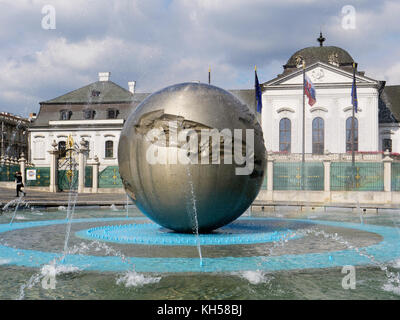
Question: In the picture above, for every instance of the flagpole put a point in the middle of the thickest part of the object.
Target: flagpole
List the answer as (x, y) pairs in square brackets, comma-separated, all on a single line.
[(304, 112), (255, 89), (352, 119), (304, 128)]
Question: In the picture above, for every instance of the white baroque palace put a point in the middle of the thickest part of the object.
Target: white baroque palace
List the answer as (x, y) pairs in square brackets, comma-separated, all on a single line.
[(328, 121)]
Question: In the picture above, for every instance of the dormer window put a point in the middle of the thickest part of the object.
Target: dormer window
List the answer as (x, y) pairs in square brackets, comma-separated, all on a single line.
[(89, 114), (65, 114), (95, 93), (112, 113)]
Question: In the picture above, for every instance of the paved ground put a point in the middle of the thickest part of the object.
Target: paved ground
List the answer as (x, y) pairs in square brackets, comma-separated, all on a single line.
[(42, 198)]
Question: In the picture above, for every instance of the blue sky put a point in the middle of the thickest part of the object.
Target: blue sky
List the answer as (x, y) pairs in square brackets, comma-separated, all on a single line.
[(161, 42)]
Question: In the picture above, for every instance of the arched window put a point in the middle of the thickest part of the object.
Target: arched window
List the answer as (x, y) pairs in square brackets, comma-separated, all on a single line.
[(318, 136), (349, 134), (285, 135), (62, 146), (87, 147), (109, 151), (387, 144)]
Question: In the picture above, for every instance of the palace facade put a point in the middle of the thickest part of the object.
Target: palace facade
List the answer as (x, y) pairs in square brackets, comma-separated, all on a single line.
[(328, 123)]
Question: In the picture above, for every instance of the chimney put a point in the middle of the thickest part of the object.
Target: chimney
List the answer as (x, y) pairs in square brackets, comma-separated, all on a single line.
[(104, 76), (131, 86)]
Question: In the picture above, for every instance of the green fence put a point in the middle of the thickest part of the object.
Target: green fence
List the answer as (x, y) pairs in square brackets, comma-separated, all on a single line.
[(363, 176), (88, 176), (395, 176), (110, 178), (7, 173), (67, 180), (298, 176), (42, 177)]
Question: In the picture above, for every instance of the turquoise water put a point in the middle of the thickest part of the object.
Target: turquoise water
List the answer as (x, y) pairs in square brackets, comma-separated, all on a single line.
[(307, 264)]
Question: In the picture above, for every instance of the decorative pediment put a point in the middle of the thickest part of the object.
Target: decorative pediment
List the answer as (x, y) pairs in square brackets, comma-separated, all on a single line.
[(318, 109), (320, 74), (287, 109), (350, 108)]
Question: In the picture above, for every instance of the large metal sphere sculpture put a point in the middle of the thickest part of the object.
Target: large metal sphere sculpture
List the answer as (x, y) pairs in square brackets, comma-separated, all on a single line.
[(178, 176)]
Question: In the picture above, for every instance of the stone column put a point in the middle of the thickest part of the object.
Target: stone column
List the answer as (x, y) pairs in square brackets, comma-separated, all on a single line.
[(327, 180), (327, 175), (387, 172), (95, 179), (81, 166), (53, 167), (270, 175), (22, 164)]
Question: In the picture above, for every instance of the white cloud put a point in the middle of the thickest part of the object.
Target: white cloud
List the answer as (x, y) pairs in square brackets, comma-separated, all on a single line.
[(160, 42)]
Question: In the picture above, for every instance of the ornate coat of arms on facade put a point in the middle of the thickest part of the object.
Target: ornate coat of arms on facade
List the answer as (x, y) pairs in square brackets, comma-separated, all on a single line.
[(299, 61), (333, 59), (317, 74)]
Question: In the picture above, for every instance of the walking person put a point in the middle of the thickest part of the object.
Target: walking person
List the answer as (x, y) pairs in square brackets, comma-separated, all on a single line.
[(18, 179)]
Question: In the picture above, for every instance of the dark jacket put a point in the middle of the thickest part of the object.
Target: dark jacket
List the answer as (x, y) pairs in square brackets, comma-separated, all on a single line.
[(19, 179)]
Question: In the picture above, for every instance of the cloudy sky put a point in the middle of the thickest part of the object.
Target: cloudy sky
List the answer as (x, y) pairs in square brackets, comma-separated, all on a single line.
[(162, 42)]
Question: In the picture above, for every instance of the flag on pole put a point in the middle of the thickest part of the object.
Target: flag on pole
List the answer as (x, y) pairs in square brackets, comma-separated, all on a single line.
[(354, 100), (309, 90), (257, 91)]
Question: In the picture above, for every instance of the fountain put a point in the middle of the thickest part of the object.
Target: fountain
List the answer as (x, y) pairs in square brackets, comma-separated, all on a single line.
[(196, 126), (194, 212)]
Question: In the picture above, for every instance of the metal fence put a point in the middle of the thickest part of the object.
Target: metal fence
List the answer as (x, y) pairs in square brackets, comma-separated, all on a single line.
[(395, 176), (7, 173), (110, 178), (362, 176), (42, 177), (298, 176)]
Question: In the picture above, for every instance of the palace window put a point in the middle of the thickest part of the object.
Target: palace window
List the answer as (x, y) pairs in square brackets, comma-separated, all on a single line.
[(387, 144), (65, 114), (112, 113), (87, 146), (318, 136), (285, 135), (62, 149), (89, 114), (349, 134), (109, 150)]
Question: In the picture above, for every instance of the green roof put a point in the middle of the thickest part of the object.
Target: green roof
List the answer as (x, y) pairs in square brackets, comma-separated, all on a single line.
[(323, 54), (97, 92), (391, 98)]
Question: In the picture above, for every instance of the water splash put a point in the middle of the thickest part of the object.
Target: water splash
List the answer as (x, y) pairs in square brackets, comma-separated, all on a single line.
[(248, 212), (256, 276), (4, 261), (193, 216), (72, 198), (18, 202), (127, 206), (392, 277), (48, 270), (113, 207), (360, 212), (133, 279), (56, 266)]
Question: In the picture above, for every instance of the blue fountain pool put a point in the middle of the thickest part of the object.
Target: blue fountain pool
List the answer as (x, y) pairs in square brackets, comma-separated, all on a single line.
[(141, 256)]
